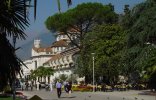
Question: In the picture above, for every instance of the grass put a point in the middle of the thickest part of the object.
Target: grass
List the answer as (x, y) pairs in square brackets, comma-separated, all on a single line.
[(8, 98)]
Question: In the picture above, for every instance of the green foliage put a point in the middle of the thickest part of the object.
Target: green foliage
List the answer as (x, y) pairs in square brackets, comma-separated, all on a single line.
[(8, 98), (10, 64), (106, 41), (41, 72), (13, 21), (152, 80), (13, 17), (81, 18), (56, 79), (7, 88), (140, 27), (63, 77)]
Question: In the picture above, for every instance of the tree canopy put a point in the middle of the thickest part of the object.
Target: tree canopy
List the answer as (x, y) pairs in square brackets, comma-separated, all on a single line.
[(82, 19), (140, 27), (42, 72), (106, 41)]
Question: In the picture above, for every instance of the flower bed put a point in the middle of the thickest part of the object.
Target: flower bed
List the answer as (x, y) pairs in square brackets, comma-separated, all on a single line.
[(18, 94), (82, 88)]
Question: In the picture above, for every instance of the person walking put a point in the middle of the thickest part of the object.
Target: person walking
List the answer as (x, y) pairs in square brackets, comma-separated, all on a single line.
[(69, 87), (26, 85), (31, 85), (65, 86), (51, 86), (38, 85), (22, 86), (59, 86)]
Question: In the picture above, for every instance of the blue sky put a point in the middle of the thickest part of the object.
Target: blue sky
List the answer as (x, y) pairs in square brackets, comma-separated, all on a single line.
[(47, 8)]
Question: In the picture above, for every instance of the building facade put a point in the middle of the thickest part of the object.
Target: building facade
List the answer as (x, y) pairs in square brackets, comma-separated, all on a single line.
[(60, 56)]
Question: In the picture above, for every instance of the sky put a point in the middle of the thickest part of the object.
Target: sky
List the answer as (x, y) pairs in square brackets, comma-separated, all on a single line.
[(46, 8)]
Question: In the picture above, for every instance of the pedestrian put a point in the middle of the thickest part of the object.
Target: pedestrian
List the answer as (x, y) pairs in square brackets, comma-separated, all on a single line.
[(69, 87), (65, 86), (59, 86), (26, 85), (22, 86), (38, 84), (31, 85), (51, 86)]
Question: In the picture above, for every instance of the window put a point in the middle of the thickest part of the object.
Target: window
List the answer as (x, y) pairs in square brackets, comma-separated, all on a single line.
[(35, 64)]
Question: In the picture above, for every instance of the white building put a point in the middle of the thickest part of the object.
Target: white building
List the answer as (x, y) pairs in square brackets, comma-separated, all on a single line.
[(59, 56)]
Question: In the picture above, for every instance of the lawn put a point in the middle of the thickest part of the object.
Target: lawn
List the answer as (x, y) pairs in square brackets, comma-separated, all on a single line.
[(8, 98)]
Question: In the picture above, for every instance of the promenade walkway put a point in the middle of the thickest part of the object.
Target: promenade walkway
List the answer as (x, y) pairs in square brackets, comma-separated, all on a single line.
[(125, 95)]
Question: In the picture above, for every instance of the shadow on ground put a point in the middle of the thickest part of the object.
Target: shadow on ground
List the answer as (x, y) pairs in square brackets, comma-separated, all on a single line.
[(148, 93), (61, 98), (69, 97)]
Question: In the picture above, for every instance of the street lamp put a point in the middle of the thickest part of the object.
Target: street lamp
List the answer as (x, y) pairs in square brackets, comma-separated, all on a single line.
[(93, 72), (14, 81)]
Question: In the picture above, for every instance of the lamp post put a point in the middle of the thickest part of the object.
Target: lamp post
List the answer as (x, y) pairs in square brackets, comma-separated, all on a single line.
[(93, 72), (14, 81)]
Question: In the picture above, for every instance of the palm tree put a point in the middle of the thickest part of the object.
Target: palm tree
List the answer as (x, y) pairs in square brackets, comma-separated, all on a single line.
[(13, 21), (48, 72), (40, 73), (43, 72)]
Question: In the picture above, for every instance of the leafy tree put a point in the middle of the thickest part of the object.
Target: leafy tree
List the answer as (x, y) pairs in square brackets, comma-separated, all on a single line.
[(42, 72), (48, 72), (106, 41), (33, 74), (126, 18), (82, 19), (140, 28), (83, 69), (63, 77), (152, 81)]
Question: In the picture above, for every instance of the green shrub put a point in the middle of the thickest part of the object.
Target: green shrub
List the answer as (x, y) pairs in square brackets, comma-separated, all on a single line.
[(7, 89), (152, 81)]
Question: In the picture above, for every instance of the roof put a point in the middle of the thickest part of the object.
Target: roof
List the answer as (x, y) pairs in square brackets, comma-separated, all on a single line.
[(48, 49), (61, 43), (57, 56), (60, 55)]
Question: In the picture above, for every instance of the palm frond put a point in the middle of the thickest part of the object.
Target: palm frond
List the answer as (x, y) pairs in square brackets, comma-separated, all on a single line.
[(59, 6), (9, 63), (13, 19), (69, 2), (35, 7)]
